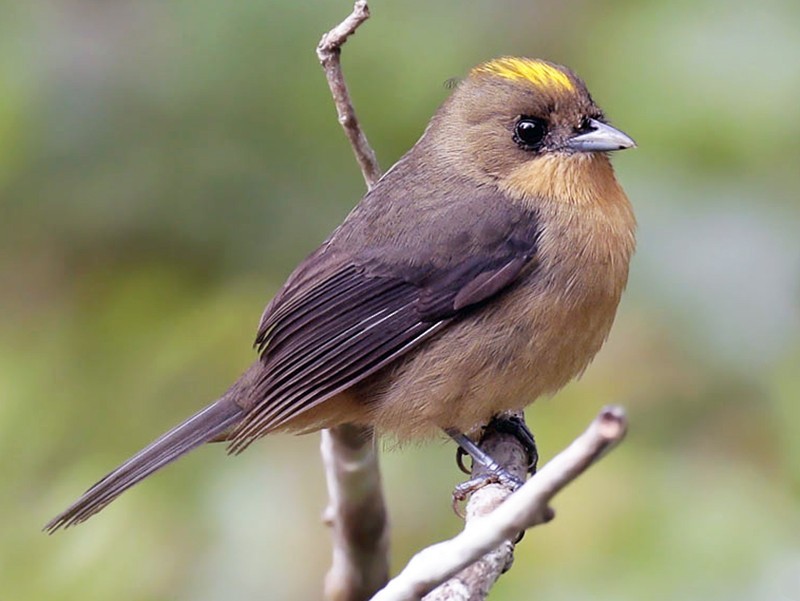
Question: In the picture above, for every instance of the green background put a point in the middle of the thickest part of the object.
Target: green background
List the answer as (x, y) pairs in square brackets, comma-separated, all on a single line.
[(164, 165)]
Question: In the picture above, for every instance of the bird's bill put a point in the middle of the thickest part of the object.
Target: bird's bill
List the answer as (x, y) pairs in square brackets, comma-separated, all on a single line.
[(601, 138)]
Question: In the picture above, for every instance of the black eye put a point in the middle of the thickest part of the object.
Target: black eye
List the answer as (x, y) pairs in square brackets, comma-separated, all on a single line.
[(529, 132)]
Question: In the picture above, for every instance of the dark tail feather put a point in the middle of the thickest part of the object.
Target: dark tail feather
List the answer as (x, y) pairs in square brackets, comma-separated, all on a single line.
[(202, 427)]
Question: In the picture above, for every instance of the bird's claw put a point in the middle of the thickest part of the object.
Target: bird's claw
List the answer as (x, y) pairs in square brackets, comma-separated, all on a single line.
[(460, 454), (465, 489), (515, 426)]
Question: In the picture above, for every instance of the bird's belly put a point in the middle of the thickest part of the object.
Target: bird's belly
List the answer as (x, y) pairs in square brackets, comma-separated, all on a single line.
[(532, 342)]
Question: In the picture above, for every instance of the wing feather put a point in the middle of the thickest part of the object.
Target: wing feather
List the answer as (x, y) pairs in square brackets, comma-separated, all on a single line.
[(345, 346), (323, 335)]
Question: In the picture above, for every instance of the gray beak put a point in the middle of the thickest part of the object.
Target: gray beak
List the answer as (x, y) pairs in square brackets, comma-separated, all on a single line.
[(601, 138)]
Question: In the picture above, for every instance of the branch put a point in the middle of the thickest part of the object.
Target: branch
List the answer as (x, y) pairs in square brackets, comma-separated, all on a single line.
[(356, 510), (474, 582), (357, 514), (528, 507), (328, 52)]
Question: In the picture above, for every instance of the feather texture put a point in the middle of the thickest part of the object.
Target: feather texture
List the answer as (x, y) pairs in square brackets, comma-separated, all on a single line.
[(198, 429), (324, 337)]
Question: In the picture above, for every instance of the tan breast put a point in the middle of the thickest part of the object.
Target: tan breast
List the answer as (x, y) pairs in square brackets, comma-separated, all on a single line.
[(587, 239)]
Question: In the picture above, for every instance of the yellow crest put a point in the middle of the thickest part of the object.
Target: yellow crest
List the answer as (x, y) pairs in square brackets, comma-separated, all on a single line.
[(536, 72)]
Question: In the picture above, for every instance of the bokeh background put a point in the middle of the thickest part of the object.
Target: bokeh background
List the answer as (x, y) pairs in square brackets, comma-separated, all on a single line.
[(163, 166)]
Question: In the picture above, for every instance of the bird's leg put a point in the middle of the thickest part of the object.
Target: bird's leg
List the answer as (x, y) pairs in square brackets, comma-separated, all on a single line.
[(491, 471)]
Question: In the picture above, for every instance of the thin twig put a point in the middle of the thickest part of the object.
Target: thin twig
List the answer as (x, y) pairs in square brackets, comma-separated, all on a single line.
[(356, 510), (328, 52), (528, 507)]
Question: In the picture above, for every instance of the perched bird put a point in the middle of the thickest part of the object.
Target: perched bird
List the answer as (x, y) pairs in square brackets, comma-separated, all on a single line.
[(482, 271)]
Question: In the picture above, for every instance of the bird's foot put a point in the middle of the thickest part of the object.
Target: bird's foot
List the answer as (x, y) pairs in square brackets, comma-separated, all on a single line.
[(463, 490), (503, 424), (516, 427), (492, 473)]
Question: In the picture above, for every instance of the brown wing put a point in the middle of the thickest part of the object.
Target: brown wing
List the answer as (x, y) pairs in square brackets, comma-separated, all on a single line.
[(319, 340)]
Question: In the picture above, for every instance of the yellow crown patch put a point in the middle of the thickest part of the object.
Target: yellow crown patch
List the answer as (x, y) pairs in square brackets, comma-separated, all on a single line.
[(536, 72)]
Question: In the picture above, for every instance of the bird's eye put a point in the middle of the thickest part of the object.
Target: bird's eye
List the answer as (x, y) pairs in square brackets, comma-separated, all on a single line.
[(529, 132)]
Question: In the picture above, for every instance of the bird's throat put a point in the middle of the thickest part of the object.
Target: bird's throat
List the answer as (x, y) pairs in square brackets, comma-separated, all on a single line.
[(576, 179), (583, 207)]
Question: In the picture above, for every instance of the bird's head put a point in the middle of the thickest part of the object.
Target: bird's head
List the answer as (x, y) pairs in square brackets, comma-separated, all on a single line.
[(524, 121)]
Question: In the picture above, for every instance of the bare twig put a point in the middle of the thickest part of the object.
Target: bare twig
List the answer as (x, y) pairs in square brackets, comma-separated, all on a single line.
[(356, 510), (328, 52), (357, 513), (528, 507)]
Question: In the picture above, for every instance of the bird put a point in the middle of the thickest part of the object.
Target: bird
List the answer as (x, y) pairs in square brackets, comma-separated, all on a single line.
[(481, 272)]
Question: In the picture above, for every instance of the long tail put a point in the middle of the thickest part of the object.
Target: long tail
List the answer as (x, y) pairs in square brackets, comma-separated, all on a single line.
[(202, 427)]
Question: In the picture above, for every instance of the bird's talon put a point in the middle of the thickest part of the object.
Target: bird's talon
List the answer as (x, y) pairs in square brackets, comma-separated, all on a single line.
[(509, 481), (465, 489), (511, 424), (460, 454)]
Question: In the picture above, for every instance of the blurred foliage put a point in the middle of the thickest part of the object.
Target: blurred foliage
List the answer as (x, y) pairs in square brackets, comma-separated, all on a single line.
[(163, 165)]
